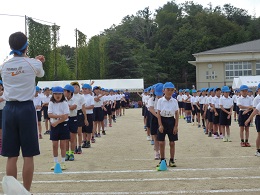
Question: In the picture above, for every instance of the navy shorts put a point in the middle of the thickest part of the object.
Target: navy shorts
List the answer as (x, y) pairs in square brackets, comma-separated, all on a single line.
[(257, 123), (235, 107), (201, 109), (223, 118), (118, 104), (242, 118), (1, 121), (216, 118), (60, 132), (168, 125), (73, 124), (80, 118), (210, 116), (143, 110), (154, 125), (109, 110), (98, 114), (187, 106), (123, 104), (148, 119), (20, 130), (195, 111), (39, 116), (181, 104), (89, 128), (45, 112)]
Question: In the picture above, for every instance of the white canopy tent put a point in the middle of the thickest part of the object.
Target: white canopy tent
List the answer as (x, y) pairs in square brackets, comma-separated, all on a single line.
[(250, 81), (133, 85)]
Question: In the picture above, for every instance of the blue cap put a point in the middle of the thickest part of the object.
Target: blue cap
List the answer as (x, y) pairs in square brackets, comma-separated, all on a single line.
[(168, 85), (250, 90), (216, 88), (86, 86), (158, 90), (187, 91), (36, 88), (258, 87), (69, 88), (243, 87), (46, 88), (96, 87), (210, 89), (194, 91), (180, 90), (225, 89), (57, 89)]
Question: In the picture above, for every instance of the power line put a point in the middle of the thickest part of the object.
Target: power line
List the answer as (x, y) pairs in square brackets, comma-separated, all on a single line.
[(28, 17)]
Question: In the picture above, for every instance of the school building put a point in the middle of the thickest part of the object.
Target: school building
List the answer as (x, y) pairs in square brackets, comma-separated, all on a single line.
[(220, 66)]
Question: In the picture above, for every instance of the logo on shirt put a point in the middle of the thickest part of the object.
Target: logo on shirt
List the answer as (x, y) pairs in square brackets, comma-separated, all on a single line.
[(15, 71)]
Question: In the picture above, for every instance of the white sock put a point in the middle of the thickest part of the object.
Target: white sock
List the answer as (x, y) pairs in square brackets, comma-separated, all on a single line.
[(56, 159), (62, 159), (105, 122)]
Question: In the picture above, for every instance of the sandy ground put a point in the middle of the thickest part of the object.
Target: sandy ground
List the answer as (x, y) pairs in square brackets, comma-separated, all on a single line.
[(122, 162)]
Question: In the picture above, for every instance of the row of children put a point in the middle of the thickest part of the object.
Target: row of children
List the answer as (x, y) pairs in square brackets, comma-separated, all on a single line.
[(212, 106), (76, 116)]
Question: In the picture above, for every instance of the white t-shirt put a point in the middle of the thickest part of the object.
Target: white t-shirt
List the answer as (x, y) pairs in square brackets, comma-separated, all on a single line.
[(37, 101), (227, 103), (194, 100), (215, 101), (79, 99), (72, 102), (256, 101), (58, 109), (89, 101), (179, 98), (202, 99), (244, 101), (153, 103), (46, 99), (167, 107), (2, 104), (18, 75), (99, 103), (234, 98)]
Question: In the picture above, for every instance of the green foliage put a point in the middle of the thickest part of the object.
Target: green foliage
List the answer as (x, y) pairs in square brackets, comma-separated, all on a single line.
[(154, 46)]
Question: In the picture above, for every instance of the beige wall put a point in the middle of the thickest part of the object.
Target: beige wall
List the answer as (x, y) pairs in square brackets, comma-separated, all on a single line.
[(218, 65)]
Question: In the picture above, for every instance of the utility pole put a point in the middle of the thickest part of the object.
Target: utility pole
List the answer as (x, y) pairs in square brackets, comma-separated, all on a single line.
[(25, 24), (76, 53)]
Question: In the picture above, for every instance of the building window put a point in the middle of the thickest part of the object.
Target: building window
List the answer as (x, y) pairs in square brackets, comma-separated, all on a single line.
[(211, 75), (236, 69), (257, 68)]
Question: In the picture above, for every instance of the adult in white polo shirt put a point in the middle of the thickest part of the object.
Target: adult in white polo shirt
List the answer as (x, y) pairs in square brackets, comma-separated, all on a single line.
[(19, 114), (81, 114)]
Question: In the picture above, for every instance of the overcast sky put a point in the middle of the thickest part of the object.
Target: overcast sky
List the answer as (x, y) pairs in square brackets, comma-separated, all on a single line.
[(89, 16)]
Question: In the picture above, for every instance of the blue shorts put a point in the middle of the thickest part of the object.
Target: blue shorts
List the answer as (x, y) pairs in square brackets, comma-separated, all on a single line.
[(20, 129), (257, 123), (98, 114), (73, 124), (60, 132), (80, 118), (89, 128), (39, 116), (168, 125)]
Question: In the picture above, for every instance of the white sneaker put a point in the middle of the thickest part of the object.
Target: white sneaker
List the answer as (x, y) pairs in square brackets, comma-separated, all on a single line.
[(257, 154), (193, 124), (225, 139), (148, 138), (221, 137)]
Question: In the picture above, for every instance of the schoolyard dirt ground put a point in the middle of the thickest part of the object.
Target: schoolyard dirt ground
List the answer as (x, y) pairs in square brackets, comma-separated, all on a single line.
[(122, 162)]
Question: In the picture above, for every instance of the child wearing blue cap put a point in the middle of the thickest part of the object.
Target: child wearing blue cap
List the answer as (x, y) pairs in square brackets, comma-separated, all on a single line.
[(158, 92), (168, 119), (88, 134), (188, 108), (58, 112), (45, 102), (245, 105), (181, 104), (226, 105), (37, 101), (195, 108), (72, 122), (202, 102), (216, 109)]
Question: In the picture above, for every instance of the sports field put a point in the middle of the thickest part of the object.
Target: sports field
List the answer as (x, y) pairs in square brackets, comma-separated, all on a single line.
[(122, 162)]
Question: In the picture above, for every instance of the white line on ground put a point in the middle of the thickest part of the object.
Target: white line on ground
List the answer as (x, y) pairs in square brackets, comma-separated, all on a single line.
[(146, 171), (159, 192), (145, 179)]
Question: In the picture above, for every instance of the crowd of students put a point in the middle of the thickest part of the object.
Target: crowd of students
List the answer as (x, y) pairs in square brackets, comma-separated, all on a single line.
[(209, 108), (75, 115)]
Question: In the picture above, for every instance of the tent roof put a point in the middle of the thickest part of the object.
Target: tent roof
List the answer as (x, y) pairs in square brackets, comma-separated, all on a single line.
[(250, 81), (118, 84)]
